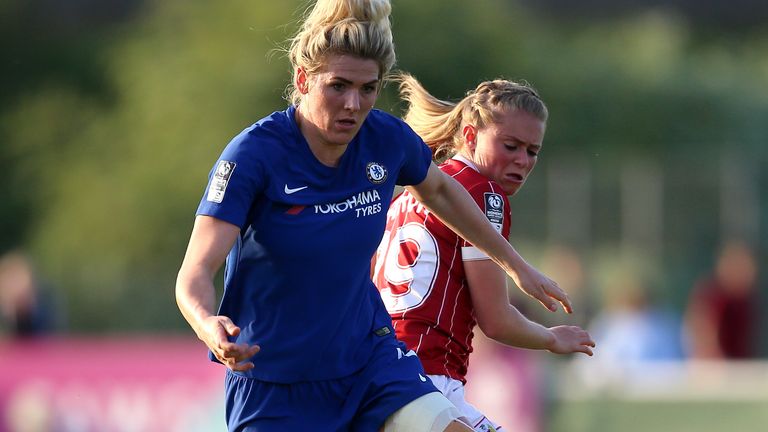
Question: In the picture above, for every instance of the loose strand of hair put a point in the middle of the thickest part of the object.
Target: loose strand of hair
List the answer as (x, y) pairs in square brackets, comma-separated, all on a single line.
[(436, 121)]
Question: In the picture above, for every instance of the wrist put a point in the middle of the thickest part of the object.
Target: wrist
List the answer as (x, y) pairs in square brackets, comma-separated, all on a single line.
[(549, 340)]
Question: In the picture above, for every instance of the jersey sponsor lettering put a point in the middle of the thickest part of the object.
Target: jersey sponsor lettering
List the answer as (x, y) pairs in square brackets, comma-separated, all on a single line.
[(364, 204), (220, 181)]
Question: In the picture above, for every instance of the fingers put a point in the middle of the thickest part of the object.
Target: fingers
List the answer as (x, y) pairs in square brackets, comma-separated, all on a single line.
[(230, 327), (550, 296), (241, 367), (239, 351), (572, 339), (548, 303), (585, 349), (586, 346), (236, 356), (561, 296)]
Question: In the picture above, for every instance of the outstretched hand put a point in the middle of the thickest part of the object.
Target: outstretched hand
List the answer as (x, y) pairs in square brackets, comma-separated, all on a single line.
[(216, 331), (571, 339), (542, 288)]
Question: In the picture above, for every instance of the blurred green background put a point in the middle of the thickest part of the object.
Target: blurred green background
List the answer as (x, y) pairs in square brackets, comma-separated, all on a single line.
[(112, 113)]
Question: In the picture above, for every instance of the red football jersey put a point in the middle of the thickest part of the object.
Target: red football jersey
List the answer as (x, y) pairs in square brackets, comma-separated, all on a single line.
[(419, 272)]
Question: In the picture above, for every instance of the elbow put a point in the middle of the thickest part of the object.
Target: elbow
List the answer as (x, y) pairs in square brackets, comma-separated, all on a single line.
[(492, 329), (178, 290), (181, 289)]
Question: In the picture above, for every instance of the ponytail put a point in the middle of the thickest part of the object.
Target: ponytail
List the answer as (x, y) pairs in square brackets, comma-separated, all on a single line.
[(439, 123)]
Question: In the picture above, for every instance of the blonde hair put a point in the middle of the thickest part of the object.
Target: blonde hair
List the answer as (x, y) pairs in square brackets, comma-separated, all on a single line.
[(439, 123), (359, 28)]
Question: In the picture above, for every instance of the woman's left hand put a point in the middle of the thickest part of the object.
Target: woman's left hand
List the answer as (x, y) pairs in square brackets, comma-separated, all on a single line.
[(545, 290)]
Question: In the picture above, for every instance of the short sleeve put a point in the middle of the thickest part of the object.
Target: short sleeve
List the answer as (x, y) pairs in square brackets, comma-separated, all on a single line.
[(234, 183), (495, 206), (416, 158)]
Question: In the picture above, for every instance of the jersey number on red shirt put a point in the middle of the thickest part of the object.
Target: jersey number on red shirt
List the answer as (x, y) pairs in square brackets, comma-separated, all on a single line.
[(409, 259)]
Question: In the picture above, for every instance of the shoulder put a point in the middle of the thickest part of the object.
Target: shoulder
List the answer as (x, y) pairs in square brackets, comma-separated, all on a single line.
[(263, 139), (276, 127), (378, 117), (471, 179), (486, 192), (378, 121)]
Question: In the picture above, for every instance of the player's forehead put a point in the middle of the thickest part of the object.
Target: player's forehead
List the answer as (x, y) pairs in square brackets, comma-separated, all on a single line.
[(349, 69), (518, 126)]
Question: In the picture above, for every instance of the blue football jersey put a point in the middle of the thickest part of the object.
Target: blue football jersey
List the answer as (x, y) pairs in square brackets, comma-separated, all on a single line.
[(297, 281)]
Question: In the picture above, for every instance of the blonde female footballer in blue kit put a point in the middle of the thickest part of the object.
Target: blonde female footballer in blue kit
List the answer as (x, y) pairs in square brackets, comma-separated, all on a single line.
[(296, 205)]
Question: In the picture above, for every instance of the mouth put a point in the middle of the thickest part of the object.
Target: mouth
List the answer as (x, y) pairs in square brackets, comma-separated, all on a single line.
[(514, 177), (346, 124)]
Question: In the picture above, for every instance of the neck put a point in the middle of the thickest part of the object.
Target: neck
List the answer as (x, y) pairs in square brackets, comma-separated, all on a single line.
[(467, 160), (326, 153)]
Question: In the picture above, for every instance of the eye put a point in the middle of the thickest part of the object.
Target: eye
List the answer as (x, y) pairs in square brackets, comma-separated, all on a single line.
[(510, 147), (368, 89), (337, 86), (533, 153)]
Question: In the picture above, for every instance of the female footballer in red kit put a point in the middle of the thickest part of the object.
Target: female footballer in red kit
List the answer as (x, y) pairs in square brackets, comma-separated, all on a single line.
[(436, 285)]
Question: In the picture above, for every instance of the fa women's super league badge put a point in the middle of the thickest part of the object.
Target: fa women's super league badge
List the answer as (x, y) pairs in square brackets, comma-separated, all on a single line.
[(220, 181)]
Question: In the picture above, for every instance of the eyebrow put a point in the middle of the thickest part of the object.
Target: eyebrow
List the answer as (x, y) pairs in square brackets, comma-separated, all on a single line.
[(516, 139), (346, 81)]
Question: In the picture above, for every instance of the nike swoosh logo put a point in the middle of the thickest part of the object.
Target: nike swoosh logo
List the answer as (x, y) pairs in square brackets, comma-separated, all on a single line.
[(293, 190)]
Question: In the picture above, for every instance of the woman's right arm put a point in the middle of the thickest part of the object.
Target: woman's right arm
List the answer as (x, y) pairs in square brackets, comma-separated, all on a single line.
[(209, 244), (502, 322), (454, 206)]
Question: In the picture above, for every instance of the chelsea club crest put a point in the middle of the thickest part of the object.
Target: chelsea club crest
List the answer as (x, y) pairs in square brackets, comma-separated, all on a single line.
[(376, 172)]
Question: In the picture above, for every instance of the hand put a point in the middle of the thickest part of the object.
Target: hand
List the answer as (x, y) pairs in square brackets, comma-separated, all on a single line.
[(216, 330), (542, 288), (570, 339)]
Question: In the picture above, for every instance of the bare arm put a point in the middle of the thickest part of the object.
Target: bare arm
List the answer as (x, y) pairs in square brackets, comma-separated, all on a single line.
[(208, 247), (450, 202), (503, 323)]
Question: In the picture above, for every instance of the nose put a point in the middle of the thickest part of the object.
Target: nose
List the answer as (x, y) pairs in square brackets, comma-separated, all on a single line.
[(521, 157), (352, 101)]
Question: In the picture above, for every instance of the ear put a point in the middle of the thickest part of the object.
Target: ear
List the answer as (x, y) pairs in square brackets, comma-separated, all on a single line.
[(470, 134), (301, 80)]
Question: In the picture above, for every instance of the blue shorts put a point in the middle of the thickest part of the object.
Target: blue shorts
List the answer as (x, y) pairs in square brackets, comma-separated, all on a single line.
[(360, 402)]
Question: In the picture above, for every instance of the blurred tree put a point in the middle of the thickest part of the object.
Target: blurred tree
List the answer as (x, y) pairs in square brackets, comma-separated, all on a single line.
[(117, 184), (707, 16)]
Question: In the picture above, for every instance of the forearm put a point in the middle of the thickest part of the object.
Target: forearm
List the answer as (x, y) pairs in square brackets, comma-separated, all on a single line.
[(514, 329), (195, 297), (497, 318), (209, 244), (453, 205)]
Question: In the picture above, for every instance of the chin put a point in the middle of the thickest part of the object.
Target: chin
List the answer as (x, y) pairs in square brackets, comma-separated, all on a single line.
[(337, 140), (342, 139), (511, 190)]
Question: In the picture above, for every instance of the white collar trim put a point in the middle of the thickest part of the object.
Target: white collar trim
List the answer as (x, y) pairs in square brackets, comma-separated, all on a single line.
[(466, 161)]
